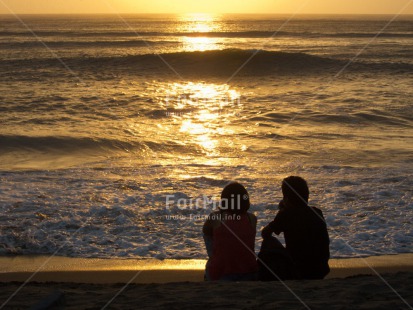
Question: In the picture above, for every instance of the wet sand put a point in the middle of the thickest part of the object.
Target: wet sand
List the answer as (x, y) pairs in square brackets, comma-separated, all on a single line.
[(90, 270), (71, 283)]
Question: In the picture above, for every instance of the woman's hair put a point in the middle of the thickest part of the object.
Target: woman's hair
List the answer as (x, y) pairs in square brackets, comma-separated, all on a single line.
[(235, 198)]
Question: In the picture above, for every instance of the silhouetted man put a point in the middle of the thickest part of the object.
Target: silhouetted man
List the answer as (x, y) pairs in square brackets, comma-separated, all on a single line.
[(305, 231)]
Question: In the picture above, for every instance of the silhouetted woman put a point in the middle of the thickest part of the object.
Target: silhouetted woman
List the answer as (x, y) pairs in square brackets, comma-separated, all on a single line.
[(229, 235)]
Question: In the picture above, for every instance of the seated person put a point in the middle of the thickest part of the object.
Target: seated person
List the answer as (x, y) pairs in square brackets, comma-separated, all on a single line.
[(274, 261), (229, 235), (304, 228)]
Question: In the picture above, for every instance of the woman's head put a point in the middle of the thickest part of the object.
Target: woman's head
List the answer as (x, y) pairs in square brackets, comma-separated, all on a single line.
[(235, 198)]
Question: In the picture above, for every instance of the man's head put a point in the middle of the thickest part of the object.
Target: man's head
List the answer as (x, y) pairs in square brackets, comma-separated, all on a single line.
[(295, 191), (235, 198)]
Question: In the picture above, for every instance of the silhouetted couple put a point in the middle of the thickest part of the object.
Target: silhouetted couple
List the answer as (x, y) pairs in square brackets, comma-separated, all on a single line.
[(229, 235)]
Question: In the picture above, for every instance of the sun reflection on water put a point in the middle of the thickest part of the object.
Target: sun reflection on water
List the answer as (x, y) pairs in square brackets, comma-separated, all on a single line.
[(200, 110), (198, 26), (199, 22), (193, 122), (201, 44)]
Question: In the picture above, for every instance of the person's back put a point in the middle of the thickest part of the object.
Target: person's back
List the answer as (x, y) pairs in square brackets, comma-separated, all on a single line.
[(306, 239), (230, 237), (233, 248), (304, 229)]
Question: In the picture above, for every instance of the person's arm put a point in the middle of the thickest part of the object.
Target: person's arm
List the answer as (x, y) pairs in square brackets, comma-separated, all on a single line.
[(253, 220), (208, 227), (266, 232), (211, 222), (207, 233), (325, 240), (276, 226)]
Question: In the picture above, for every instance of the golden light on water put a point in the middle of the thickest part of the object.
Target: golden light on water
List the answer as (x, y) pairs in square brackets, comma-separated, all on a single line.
[(199, 22), (205, 96), (193, 128), (202, 24), (193, 44), (201, 135), (209, 106), (199, 109), (196, 115)]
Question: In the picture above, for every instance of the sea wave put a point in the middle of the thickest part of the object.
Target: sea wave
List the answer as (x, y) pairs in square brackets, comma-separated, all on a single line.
[(242, 61), (68, 144), (80, 44), (211, 63)]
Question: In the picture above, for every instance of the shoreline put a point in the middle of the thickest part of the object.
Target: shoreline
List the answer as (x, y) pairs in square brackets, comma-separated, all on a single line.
[(107, 271)]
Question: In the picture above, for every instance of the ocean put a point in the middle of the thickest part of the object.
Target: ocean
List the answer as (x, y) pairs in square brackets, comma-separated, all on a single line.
[(118, 133)]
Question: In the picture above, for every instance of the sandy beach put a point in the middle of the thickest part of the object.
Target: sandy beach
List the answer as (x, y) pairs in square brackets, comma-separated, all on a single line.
[(71, 283), (361, 292)]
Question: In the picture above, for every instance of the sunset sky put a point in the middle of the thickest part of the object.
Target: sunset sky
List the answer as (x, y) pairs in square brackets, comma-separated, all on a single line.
[(208, 6)]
